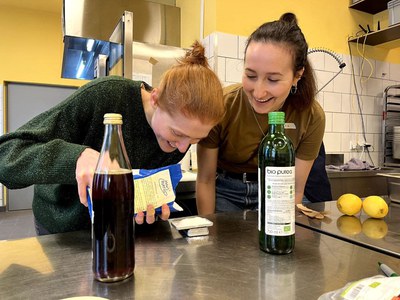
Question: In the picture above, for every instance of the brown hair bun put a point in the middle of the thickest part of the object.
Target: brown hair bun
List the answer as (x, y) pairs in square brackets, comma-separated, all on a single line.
[(196, 55)]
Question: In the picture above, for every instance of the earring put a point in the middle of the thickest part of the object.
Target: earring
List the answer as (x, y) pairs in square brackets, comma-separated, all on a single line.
[(293, 89)]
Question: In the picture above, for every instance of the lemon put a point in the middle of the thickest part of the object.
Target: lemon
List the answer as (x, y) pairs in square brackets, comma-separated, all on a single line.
[(375, 207), (349, 225), (349, 204), (375, 228)]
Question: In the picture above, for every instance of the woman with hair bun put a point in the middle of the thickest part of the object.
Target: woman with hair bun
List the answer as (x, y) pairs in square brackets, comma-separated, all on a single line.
[(58, 150), (277, 77)]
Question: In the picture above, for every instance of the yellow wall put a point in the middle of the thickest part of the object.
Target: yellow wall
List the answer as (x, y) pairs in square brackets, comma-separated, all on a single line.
[(324, 23), (210, 16), (31, 47), (31, 40), (190, 15)]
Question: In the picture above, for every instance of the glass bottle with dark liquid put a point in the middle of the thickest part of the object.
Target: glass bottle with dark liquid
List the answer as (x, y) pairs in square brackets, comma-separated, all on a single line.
[(276, 188), (113, 243)]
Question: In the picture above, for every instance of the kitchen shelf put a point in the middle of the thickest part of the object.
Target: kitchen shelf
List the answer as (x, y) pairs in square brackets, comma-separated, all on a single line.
[(379, 37), (370, 6)]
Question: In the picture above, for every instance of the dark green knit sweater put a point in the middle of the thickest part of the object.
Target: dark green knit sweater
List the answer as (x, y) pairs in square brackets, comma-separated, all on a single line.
[(44, 151)]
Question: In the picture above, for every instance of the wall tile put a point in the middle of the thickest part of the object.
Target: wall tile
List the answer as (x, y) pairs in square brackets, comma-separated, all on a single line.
[(370, 157), (347, 59), (386, 83), (368, 67), (206, 43), (340, 122), (368, 105), (234, 70), (378, 110), (354, 139), (369, 138), (328, 122), (358, 86), (241, 46), (361, 140), (356, 124), (374, 87), (363, 85), (332, 102), (332, 142), (354, 154), (374, 124), (346, 103), (375, 159), (345, 142), (221, 68), (331, 64), (363, 66), (211, 63), (394, 72), (227, 45), (211, 42), (342, 83), (382, 70), (377, 143), (322, 78), (320, 98), (317, 60)]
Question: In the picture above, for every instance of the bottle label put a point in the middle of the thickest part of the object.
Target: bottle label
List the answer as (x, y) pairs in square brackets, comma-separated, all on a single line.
[(279, 201)]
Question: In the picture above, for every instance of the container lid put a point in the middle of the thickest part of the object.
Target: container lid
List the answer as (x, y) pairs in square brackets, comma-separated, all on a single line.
[(276, 117), (111, 118)]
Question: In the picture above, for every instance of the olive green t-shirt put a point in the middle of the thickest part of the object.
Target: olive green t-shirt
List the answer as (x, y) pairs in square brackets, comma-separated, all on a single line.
[(238, 136)]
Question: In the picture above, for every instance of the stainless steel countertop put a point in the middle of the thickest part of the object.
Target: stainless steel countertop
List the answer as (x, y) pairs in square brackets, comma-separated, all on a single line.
[(389, 243), (227, 264), (335, 173)]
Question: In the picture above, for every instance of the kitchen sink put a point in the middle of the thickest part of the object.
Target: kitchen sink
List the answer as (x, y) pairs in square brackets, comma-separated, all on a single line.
[(361, 182)]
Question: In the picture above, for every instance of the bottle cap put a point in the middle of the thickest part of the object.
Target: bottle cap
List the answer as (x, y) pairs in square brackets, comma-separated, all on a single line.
[(112, 119), (276, 117)]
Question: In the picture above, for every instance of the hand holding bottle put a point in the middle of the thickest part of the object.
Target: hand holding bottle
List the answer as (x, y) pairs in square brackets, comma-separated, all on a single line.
[(85, 167)]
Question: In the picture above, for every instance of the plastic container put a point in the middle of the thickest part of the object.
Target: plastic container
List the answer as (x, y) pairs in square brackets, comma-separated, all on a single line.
[(394, 12)]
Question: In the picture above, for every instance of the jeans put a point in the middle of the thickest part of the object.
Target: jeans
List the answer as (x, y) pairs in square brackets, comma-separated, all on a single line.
[(305, 201), (235, 195)]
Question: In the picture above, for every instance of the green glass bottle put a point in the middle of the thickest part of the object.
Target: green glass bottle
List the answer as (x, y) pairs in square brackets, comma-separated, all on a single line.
[(276, 193)]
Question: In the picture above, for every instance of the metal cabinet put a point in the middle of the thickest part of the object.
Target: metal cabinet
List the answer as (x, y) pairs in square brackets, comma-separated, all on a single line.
[(391, 119)]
